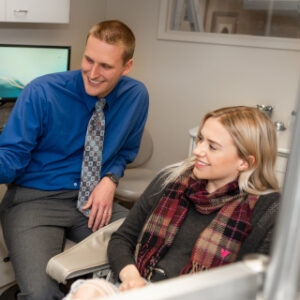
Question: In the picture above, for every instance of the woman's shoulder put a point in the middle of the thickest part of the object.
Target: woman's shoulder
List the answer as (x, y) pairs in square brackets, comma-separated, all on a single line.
[(272, 196), (262, 220), (268, 200), (266, 208)]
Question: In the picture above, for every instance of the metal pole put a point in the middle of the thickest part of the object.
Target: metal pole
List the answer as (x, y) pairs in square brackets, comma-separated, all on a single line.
[(283, 272)]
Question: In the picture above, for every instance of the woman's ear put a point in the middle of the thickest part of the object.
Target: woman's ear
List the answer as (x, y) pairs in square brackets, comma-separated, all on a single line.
[(252, 160), (244, 165)]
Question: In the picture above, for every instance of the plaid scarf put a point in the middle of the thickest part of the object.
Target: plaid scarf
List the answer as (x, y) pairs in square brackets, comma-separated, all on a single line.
[(218, 244)]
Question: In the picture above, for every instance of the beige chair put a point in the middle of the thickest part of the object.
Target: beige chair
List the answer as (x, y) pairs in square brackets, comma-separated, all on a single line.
[(87, 256), (136, 176)]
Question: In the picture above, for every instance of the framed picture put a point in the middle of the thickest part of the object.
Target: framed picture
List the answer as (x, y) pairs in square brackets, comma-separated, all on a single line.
[(224, 22)]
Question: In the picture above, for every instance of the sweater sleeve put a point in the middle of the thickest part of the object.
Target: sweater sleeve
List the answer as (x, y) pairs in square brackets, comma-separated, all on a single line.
[(122, 244), (263, 220)]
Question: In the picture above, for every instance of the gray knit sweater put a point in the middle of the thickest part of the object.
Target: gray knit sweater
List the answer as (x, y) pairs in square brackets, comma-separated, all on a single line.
[(123, 242)]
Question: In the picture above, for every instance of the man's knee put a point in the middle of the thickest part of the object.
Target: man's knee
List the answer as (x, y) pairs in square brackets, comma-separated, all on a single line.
[(47, 290)]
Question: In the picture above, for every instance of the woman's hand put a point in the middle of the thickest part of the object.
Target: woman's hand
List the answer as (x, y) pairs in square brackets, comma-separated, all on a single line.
[(131, 278)]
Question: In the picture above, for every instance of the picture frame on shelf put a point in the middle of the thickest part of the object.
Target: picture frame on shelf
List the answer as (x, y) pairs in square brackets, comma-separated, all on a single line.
[(224, 22)]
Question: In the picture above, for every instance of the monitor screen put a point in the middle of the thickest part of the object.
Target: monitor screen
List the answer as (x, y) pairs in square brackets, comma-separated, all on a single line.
[(19, 64)]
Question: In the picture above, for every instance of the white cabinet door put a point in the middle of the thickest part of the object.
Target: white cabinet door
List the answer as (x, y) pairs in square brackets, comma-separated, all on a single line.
[(2, 10), (38, 11)]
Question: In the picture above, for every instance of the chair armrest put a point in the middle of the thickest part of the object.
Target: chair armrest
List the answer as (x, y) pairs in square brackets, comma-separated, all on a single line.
[(85, 257)]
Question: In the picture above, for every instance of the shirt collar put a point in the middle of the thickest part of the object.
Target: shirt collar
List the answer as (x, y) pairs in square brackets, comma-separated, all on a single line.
[(113, 95), (110, 98)]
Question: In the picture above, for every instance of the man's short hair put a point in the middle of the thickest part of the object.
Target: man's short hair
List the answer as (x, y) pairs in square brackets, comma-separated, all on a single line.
[(115, 32)]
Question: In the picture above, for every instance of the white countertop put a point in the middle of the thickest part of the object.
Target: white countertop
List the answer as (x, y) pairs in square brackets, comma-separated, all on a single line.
[(283, 140)]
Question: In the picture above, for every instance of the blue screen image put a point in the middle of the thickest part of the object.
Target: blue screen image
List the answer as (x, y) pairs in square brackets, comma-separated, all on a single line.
[(19, 64)]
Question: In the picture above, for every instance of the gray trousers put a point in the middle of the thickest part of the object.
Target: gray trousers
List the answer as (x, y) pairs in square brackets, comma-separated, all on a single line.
[(35, 225)]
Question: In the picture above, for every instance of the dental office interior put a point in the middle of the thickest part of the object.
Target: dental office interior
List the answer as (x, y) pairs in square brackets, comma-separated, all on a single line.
[(188, 73)]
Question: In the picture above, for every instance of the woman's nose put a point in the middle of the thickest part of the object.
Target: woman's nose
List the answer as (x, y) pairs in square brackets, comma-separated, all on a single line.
[(199, 150)]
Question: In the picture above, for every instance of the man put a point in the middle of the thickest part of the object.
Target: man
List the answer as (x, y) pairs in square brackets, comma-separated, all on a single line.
[(42, 147)]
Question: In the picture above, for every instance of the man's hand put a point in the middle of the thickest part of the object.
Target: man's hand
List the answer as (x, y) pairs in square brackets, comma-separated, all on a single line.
[(100, 202)]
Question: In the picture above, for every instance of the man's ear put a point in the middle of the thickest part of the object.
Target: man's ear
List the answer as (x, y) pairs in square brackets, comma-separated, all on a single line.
[(127, 67), (244, 165)]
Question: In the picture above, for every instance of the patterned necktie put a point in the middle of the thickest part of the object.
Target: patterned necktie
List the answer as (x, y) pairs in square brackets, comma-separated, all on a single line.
[(92, 156)]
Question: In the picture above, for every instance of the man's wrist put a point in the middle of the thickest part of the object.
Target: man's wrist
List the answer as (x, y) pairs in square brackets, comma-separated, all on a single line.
[(114, 178)]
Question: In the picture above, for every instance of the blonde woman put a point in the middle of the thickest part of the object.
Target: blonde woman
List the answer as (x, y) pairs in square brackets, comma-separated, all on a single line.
[(207, 211)]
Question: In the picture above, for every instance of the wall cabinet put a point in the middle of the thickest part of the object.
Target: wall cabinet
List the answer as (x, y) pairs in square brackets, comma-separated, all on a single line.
[(2, 10), (35, 11)]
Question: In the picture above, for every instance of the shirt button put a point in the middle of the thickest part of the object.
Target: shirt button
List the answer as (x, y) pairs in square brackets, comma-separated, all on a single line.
[(75, 183)]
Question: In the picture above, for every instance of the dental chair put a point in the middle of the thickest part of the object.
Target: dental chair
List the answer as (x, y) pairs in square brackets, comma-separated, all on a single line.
[(89, 256), (86, 257), (136, 176)]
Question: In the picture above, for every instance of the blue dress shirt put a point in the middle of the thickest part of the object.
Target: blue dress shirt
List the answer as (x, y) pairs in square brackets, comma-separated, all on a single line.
[(42, 143)]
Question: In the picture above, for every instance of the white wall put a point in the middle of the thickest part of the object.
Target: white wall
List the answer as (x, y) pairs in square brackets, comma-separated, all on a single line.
[(185, 80), (83, 15)]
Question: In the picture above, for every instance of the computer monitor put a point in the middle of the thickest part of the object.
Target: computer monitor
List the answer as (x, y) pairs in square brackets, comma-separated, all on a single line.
[(19, 64)]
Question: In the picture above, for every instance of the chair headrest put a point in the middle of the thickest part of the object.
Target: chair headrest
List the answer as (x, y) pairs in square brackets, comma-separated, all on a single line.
[(145, 151)]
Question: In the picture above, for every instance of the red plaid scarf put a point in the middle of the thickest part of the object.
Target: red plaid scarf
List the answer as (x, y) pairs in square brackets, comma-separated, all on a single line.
[(217, 245)]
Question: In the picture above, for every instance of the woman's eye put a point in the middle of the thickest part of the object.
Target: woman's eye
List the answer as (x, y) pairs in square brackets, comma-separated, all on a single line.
[(212, 147), (199, 139)]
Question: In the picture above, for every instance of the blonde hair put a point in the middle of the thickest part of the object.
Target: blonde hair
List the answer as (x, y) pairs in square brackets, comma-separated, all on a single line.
[(254, 135), (115, 32)]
